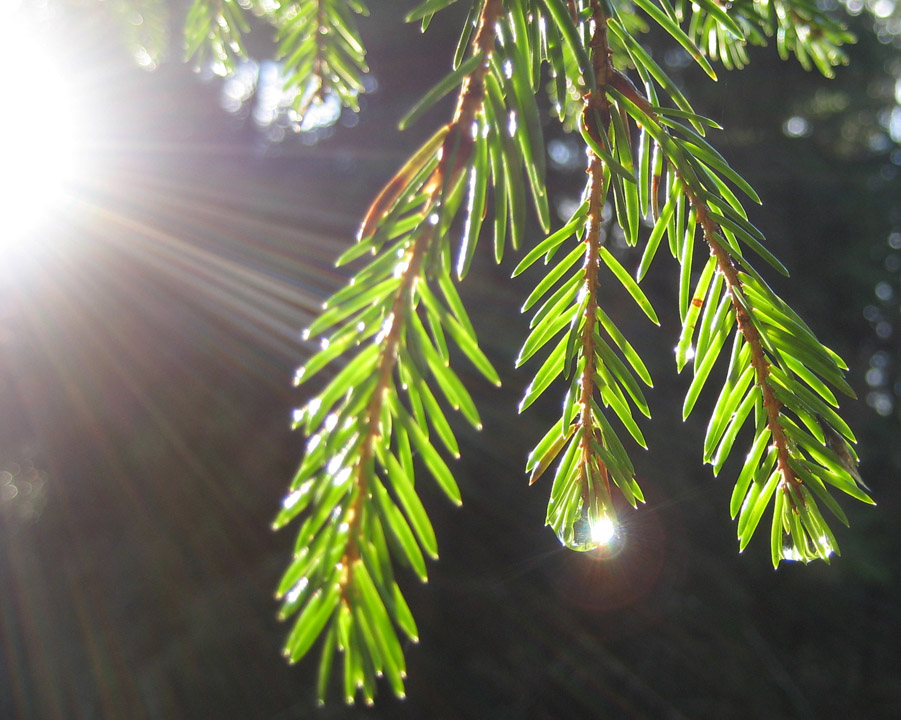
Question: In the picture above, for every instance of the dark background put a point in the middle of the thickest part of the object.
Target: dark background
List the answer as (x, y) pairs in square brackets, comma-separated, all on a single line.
[(149, 333)]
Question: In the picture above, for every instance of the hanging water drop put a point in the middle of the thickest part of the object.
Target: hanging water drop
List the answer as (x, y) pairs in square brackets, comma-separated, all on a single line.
[(585, 535)]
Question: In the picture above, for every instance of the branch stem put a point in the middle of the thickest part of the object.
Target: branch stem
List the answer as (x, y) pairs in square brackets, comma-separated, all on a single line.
[(590, 288), (403, 303), (595, 101), (457, 144), (759, 362)]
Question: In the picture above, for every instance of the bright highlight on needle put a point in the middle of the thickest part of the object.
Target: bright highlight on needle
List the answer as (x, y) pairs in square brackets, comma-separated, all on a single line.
[(37, 129)]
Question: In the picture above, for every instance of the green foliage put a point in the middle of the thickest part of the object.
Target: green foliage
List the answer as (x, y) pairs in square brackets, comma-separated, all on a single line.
[(321, 50), (214, 34), (379, 417), (317, 42), (144, 28)]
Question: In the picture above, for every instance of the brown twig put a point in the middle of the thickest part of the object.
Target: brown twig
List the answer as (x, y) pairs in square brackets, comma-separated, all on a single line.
[(595, 102), (469, 103), (592, 243), (746, 327)]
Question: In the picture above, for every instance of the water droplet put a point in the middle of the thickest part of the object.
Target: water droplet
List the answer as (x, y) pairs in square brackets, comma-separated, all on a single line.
[(796, 127), (791, 553), (585, 535)]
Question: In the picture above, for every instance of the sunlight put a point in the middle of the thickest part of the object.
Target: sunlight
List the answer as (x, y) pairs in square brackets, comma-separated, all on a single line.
[(37, 131), (603, 531)]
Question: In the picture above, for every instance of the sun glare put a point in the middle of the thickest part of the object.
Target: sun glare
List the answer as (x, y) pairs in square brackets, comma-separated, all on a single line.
[(37, 130), (603, 531)]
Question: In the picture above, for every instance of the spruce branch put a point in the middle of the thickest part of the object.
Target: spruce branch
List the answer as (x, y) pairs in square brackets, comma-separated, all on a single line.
[(800, 28), (796, 518), (380, 409), (317, 43), (376, 420), (214, 31), (580, 509), (322, 52), (742, 309), (770, 365), (769, 370)]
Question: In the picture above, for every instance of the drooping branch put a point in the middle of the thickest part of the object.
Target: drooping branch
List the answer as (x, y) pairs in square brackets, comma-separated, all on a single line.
[(595, 191), (596, 108), (725, 266), (771, 403), (359, 483), (376, 421), (388, 352), (318, 73)]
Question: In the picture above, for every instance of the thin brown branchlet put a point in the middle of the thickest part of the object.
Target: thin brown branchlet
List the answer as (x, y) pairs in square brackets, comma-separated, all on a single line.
[(455, 156), (759, 362)]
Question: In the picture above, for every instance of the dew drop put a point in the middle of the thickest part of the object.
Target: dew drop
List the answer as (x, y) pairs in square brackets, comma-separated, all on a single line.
[(585, 535)]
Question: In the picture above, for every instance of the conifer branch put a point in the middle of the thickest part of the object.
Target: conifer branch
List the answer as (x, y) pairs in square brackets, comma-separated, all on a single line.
[(213, 34), (746, 327), (377, 418), (322, 52), (387, 337), (372, 416), (590, 434), (580, 509), (591, 437), (346, 588)]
